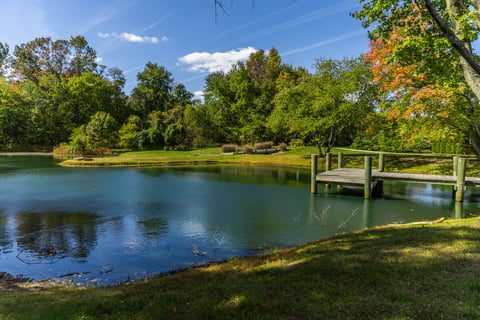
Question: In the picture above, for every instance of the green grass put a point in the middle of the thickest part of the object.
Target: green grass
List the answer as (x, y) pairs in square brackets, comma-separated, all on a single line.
[(294, 157), (408, 272), (298, 157)]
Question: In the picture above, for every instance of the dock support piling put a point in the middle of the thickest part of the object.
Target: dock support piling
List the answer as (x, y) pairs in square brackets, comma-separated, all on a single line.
[(328, 162), (328, 165), (381, 162), (340, 160), (314, 168), (460, 187), (455, 165), (368, 178)]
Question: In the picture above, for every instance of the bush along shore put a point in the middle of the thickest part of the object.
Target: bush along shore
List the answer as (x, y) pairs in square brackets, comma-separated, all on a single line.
[(420, 271)]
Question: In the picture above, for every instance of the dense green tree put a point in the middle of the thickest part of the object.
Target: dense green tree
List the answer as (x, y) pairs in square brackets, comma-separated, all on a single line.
[(326, 108), (43, 57), (14, 118), (181, 96), (243, 99), (153, 91), (129, 133), (100, 133)]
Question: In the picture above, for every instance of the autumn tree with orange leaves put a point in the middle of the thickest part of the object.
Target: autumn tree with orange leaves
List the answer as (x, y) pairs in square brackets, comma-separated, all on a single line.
[(421, 81)]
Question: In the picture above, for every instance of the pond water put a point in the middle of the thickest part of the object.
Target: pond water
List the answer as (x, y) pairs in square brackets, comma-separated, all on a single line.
[(108, 225)]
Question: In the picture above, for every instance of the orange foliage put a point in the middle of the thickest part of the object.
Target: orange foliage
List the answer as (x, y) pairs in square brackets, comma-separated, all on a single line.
[(402, 80)]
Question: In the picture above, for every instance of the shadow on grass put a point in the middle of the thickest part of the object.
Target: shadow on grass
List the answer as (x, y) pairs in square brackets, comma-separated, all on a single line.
[(405, 273)]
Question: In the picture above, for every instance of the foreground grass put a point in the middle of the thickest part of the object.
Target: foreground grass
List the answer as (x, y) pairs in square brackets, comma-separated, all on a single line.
[(408, 272)]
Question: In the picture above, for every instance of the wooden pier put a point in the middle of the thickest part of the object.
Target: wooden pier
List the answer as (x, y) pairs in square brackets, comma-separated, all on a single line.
[(372, 180)]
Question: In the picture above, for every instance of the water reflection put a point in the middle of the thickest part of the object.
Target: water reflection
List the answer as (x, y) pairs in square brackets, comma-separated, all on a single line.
[(48, 236), (114, 224)]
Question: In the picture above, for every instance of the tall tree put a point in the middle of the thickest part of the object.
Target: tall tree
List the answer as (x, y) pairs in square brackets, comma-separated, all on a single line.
[(153, 91), (457, 21), (43, 56), (325, 108), (4, 49), (426, 76)]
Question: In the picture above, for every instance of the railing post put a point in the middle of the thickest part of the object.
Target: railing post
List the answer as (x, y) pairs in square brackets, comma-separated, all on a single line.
[(460, 180), (455, 165), (314, 167), (328, 165), (368, 178), (340, 160), (328, 162), (381, 162)]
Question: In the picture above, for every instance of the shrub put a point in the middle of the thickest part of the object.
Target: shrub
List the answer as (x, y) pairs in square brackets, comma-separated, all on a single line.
[(227, 148), (263, 145), (282, 146), (248, 149), (294, 143), (62, 149)]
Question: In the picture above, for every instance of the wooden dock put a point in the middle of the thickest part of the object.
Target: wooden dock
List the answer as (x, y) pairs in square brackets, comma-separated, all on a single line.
[(372, 180)]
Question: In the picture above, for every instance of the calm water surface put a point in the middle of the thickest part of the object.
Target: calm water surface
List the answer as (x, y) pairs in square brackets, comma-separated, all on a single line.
[(107, 225)]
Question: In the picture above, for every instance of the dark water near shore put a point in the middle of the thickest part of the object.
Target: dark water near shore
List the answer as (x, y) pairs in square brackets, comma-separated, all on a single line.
[(107, 225)]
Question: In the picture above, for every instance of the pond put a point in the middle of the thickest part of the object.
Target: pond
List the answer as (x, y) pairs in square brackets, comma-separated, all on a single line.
[(108, 225)]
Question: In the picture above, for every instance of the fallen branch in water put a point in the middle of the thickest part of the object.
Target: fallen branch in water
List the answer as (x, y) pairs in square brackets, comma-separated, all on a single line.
[(416, 223)]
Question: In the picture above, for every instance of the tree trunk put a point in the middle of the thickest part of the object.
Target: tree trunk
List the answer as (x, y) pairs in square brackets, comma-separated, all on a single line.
[(468, 62)]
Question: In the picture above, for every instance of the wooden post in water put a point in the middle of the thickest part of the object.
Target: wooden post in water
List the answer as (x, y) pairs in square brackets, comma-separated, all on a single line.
[(340, 160), (460, 180), (455, 165), (328, 165), (368, 178), (381, 162), (314, 166), (328, 162)]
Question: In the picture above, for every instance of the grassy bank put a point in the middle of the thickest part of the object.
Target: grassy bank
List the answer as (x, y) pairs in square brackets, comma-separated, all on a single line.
[(406, 272), (298, 157)]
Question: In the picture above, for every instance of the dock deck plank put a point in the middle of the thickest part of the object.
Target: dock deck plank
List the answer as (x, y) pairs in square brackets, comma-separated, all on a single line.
[(356, 177)]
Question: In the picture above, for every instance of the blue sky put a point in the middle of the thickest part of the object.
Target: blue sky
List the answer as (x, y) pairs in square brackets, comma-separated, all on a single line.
[(185, 36)]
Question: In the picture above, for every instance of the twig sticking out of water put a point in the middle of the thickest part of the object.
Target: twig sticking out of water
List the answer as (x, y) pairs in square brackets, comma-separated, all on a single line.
[(215, 236), (321, 218), (354, 212), (297, 219)]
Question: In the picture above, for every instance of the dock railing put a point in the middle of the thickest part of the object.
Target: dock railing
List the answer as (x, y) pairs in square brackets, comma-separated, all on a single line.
[(372, 180)]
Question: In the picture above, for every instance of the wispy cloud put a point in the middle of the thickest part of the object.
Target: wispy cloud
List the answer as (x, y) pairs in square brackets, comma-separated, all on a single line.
[(312, 16), (341, 37), (217, 61), (252, 23), (104, 14), (156, 23), (131, 37)]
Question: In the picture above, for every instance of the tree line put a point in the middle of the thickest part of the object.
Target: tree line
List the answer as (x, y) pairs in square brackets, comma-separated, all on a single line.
[(56, 94)]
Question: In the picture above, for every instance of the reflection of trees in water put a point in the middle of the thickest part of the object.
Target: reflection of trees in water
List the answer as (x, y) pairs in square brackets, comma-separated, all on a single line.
[(5, 242), (153, 228), (45, 237)]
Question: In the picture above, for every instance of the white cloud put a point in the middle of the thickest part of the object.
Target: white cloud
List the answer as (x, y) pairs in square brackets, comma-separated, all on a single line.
[(131, 37), (98, 60), (105, 35), (217, 61), (198, 95), (135, 38)]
